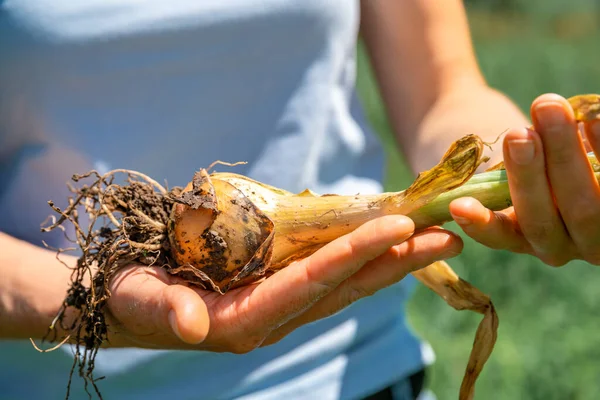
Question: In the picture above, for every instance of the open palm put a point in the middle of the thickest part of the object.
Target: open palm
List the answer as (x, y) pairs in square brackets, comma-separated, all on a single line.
[(150, 308)]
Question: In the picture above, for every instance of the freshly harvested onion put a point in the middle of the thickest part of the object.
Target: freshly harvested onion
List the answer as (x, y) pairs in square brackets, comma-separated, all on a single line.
[(225, 230)]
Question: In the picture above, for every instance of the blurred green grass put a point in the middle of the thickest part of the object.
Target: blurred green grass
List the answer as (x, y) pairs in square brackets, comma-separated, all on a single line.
[(549, 336)]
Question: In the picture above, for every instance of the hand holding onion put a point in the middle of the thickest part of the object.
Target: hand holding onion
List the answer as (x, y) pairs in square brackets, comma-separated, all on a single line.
[(151, 308), (553, 184)]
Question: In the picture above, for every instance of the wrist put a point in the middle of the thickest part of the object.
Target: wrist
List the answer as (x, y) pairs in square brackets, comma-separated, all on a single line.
[(32, 289), (477, 109)]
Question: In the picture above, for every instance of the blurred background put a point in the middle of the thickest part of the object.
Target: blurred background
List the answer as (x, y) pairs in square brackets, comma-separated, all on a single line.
[(549, 337)]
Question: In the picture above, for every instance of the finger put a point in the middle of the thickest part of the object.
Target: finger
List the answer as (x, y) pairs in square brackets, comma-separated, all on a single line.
[(419, 251), (424, 248), (496, 230), (533, 197), (570, 174), (151, 311), (301, 284)]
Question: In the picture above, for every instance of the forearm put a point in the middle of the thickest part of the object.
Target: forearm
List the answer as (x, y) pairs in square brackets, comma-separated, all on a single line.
[(476, 110), (32, 288), (429, 79)]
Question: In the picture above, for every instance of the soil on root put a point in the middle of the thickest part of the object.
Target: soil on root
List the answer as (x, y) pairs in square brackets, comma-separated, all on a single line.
[(114, 225)]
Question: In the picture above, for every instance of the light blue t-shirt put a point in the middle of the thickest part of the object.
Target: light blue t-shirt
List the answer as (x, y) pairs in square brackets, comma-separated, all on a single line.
[(167, 87)]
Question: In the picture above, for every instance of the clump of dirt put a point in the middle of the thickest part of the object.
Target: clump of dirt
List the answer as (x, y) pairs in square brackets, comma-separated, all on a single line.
[(114, 225)]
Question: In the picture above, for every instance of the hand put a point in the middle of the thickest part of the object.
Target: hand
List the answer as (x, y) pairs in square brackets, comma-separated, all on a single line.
[(556, 198), (150, 308)]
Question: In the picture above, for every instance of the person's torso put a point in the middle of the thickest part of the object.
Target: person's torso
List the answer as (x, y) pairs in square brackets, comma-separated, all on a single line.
[(167, 88)]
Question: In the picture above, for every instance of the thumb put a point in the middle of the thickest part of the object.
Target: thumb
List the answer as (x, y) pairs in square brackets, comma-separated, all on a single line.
[(149, 308)]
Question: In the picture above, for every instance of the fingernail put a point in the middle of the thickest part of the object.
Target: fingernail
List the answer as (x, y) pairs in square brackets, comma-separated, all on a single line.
[(462, 221), (550, 114), (173, 323), (521, 151)]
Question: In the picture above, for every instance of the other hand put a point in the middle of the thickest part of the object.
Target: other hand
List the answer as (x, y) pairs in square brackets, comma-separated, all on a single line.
[(556, 197)]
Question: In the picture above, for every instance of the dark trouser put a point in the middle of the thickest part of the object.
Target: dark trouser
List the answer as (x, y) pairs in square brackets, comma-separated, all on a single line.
[(416, 382)]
